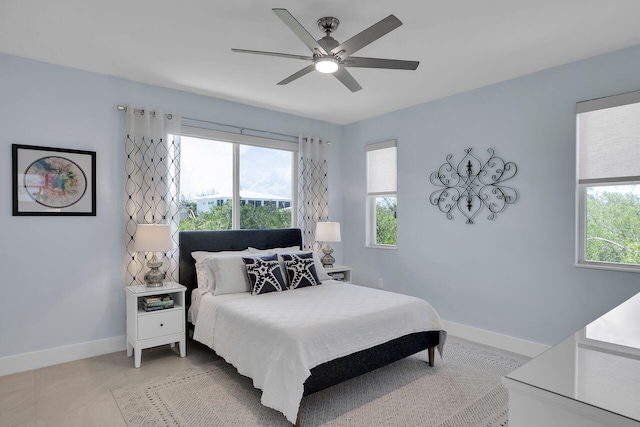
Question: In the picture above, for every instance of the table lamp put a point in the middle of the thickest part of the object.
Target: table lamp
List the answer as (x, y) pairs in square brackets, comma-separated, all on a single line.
[(153, 238), (328, 232)]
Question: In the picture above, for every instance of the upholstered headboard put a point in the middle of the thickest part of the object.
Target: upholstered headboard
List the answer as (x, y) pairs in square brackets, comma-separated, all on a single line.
[(228, 240)]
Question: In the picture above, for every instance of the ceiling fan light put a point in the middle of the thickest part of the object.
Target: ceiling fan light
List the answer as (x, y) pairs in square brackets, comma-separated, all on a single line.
[(326, 65)]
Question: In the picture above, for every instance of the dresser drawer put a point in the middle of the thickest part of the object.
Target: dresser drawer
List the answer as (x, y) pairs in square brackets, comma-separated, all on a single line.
[(160, 323)]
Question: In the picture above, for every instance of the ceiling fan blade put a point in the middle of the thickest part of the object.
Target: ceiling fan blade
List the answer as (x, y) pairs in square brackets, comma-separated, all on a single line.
[(300, 31), (395, 64), (367, 36), (292, 77), (347, 79), (283, 55)]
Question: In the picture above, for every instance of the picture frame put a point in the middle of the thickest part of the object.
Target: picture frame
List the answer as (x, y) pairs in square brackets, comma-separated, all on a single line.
[(50, 181)]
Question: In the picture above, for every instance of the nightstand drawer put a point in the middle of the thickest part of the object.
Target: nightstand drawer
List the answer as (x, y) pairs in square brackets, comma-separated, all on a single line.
[(159, 324)]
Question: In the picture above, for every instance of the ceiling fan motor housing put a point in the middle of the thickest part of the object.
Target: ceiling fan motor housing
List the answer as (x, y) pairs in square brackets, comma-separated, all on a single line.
[(328, 24), (328, 43)]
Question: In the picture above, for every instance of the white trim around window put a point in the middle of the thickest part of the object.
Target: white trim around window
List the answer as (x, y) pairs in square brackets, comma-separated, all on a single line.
[(238, 140), (382, 181), (607, 154)]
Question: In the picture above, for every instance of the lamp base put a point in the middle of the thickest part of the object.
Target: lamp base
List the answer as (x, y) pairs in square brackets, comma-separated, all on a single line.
[(327, 259), (154, 276)]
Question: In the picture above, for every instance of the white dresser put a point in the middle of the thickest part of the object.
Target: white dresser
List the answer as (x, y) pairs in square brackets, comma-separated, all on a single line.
[(583, 382)]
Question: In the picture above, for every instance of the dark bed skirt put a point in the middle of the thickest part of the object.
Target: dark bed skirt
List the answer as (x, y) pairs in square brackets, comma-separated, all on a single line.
[(350, 366)]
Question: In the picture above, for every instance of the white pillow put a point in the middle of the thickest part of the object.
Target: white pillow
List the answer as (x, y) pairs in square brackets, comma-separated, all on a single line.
[(204, 272), (202, 255), (322, 274), (274, 250), (202, 278), (230, 275)]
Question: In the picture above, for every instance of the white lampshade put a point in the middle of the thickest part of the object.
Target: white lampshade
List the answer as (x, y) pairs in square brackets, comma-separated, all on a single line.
[(328, 232), (153, 238)]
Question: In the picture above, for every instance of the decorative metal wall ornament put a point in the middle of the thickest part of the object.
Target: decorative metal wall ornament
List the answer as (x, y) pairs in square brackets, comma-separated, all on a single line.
[(472, 185)]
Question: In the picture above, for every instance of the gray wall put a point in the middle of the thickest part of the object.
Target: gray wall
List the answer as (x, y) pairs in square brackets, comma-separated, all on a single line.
[(62, 276), (514, 275)]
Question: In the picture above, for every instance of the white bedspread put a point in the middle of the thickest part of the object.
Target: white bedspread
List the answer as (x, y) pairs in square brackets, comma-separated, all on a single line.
[(276, 338)]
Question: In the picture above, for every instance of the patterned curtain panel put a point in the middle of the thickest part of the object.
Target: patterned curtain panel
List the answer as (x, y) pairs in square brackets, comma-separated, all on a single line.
[(313, 184), (152, 186)]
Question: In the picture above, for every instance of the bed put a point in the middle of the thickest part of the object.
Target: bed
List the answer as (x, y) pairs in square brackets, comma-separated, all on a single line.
[(311, 373)]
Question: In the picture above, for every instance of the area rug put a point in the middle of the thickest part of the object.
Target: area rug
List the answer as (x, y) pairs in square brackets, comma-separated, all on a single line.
[(463, 389)]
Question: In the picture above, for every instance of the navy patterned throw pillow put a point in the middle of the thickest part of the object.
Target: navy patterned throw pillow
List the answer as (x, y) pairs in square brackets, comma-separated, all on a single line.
[(265, 274), (300, 270)]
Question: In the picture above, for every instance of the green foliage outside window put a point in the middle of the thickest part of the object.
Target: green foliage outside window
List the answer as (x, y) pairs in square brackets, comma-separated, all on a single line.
[(386, 222), (258, 217), (613, 227), (251, 217)]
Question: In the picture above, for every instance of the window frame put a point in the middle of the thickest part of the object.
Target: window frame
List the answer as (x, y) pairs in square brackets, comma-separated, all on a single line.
[(582, 185), (371, 198), (238, 140)]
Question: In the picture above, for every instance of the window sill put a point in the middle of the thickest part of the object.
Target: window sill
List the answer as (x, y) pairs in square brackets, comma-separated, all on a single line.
[(381, 247), (612, 267)]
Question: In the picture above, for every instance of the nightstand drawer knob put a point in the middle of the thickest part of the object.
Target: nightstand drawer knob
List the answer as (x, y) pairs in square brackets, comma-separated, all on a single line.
[(161, 324)]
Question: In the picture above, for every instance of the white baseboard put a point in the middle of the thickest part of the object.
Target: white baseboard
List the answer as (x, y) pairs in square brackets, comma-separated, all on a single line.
[(494, 339), (55, 356)]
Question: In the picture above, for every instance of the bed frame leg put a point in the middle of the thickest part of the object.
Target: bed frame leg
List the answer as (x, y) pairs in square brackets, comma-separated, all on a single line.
[(297, 424), (432, 356)]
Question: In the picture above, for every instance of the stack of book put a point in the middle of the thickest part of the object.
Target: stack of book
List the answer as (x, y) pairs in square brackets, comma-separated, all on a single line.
[(337, 276), (157, 302)]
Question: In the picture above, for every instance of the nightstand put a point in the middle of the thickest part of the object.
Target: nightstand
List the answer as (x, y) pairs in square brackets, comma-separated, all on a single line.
[(340, 272), (147, 329)]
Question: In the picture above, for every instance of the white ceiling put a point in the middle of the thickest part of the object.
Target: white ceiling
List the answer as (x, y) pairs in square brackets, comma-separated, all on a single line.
[(461, 45)]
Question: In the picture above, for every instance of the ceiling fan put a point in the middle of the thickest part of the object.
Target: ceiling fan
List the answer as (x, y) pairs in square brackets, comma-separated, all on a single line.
[(329, 56)]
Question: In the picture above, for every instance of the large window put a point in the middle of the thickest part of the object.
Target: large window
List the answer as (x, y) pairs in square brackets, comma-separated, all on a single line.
[(382, 200), (230, 181), (609, 182)]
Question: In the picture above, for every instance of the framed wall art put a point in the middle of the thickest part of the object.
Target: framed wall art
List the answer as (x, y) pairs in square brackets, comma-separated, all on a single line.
[(53, 181)]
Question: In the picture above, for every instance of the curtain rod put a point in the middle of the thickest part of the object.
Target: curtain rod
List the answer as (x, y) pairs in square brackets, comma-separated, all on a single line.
[(240, 128)]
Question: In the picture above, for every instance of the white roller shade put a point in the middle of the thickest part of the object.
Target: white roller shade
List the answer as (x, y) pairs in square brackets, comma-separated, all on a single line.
[(382, 170), (609, 140)]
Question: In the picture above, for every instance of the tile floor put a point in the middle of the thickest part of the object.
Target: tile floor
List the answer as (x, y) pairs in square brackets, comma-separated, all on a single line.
[(79, 393)]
